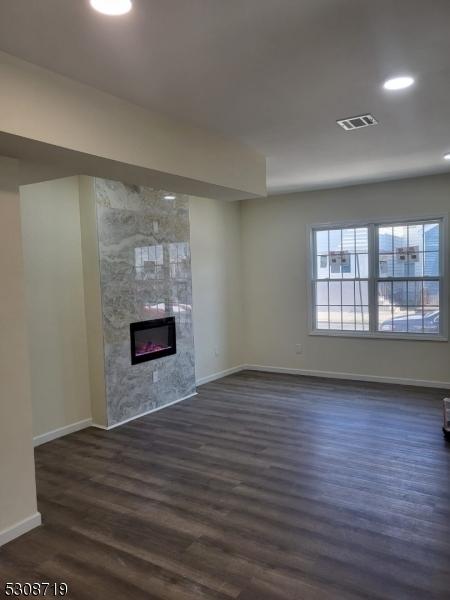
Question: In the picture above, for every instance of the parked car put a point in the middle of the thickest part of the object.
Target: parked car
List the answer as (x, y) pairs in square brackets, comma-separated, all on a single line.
[(413, 323)]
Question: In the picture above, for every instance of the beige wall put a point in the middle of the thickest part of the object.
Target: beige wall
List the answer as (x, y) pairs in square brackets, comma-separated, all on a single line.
[(57, 112), (17, 483), (92, 300), (55, 304), (275, 271), (216, 281)]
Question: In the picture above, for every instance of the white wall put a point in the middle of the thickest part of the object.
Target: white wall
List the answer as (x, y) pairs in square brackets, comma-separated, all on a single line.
[(55, 304), (275, 273), (18, 511), (216, 282)]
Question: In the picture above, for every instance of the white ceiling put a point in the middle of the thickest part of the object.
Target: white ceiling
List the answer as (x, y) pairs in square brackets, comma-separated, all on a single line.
[(274, 73)]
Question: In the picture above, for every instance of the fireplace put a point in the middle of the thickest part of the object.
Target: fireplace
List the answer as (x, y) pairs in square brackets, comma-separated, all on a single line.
[(152, 339)]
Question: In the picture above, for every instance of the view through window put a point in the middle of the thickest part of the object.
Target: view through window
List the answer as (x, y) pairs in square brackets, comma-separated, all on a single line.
[(378, 278)]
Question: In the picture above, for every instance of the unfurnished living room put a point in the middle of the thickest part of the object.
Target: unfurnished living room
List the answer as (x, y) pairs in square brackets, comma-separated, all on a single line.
[(224, 299)]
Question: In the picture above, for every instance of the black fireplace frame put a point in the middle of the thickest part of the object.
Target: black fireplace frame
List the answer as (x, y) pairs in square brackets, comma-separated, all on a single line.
[(152, 324)]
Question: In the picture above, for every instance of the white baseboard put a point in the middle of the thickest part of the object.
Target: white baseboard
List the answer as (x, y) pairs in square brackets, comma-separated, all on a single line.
[(147, 412), (219, 375), (61, 431), (7, 535), (350, 376)]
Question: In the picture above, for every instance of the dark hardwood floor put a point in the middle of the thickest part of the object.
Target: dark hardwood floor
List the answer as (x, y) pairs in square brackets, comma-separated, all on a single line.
[(263, 487)]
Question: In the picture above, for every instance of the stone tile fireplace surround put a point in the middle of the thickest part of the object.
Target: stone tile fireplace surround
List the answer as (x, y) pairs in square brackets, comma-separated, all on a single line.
[(145, 273)]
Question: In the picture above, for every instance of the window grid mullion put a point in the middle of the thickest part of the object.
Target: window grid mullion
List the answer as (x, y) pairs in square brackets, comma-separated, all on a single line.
[(329, 273), (392, 305), (373, 279), (342, 278), (313, 266), (373, 273), (423, 273), (443, 273), (357, 272), (407, 281)]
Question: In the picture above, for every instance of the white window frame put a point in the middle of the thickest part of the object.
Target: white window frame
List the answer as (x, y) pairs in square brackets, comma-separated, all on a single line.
[(373, 278)]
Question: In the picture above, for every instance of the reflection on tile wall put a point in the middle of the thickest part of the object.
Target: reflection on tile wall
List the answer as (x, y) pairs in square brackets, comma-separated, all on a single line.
[(145, 273)]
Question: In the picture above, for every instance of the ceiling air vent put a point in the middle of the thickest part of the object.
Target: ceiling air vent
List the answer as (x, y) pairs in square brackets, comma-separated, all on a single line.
[(357, 122)]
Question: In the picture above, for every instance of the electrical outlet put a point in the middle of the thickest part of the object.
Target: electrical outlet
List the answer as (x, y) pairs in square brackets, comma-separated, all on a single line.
[(155, 376), (298, 348)]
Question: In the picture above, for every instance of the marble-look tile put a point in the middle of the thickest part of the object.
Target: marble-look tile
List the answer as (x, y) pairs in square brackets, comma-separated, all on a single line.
[(145, 273)]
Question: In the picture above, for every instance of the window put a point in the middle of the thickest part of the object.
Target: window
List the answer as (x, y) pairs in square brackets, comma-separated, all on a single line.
[(382, 279)]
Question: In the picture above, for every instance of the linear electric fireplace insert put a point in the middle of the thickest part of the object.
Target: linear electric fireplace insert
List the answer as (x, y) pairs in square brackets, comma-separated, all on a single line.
[(152, 339)]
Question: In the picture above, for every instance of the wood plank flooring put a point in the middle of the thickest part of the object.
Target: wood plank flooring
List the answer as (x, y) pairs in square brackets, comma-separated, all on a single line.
[(263, 487)]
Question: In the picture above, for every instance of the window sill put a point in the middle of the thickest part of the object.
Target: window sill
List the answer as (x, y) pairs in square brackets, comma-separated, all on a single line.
[(379, 336)]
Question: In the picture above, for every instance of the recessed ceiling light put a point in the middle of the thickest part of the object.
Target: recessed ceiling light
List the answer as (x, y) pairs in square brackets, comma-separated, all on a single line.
[(447, 156), (169, 197), (398, 83), (112, 7)]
